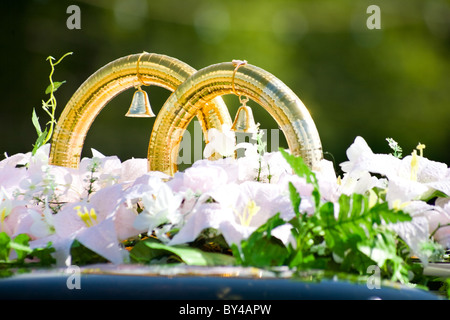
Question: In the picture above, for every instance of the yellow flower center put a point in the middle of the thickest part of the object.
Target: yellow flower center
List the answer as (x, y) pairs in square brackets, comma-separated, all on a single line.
[(414, 166), (89, 217), (2, 219), (250, 210), (420, 147), (373, 198), (415, 161), (398, 205)]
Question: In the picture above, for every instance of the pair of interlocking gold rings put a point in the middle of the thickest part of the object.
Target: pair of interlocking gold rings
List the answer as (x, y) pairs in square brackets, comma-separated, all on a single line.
[(194, 94)]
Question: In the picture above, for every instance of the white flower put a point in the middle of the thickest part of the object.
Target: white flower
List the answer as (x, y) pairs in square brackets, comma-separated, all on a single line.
[(275, 165), (328, 182), (147, 183), (360, 182), (43, 225), (361, 158), (201, 177), (6, 202), (203, 216), (424, 225), (132, 169), (14, 160), (267, 167), (40, 158), (106, 170), (441, 218), (222, 142), (11, 177), (93, 223), (411, 178), (6, 206), (237, 211)]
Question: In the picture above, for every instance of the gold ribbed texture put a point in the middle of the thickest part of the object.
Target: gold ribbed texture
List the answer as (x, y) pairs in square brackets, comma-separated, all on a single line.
[(102, 86), (194, 94), (208, 83)]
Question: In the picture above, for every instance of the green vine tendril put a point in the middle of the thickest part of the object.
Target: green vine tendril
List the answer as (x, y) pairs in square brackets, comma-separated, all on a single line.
[(48, 106)]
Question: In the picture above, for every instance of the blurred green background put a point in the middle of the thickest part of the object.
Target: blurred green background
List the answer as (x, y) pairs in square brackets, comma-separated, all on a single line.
[(388, 82)]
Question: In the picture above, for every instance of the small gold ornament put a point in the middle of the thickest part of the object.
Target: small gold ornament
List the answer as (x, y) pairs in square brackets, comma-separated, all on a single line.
[(244, 120), (140, 105)]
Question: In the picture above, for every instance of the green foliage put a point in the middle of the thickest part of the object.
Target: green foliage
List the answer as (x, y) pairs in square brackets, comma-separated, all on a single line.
[(20, 245), (261, 249), (48, 106), (261, 148), (150, 249), (348, 236), (397, 150), (93, 168), (447, 286), (82, 255), (301, 169), (52, 87), (359, 236)]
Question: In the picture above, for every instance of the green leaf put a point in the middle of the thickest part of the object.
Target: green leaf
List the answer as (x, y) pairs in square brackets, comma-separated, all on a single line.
[(237, 254), (358, 234), (35, 120), (447, 282), (295, 198), (44, 255), (272, 223), (190, 255), (82, 255), (40, 141), (355, 216), (261, 249), (264, 252), (382, 249), (382, 211), (143, 253), (301, 169), (54, 87), (297, 259), (20, 245)]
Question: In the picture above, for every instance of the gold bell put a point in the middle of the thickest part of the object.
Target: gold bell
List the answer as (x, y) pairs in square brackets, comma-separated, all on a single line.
[(244, 121), (140, 105)]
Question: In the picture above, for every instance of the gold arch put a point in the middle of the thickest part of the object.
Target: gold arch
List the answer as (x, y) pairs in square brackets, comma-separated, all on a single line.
[(208, 83), (115, 77)]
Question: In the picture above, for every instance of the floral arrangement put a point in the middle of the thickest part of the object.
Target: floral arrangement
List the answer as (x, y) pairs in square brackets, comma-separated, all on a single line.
[(263, 209)]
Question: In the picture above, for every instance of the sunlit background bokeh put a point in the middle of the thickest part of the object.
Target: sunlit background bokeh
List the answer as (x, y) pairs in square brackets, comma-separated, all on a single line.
[(375, 83)]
